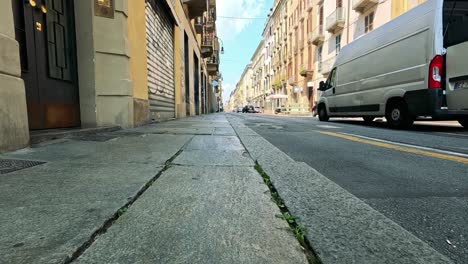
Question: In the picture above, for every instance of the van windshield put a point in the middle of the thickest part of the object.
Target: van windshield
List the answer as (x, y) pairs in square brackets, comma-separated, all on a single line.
[(455, 22)]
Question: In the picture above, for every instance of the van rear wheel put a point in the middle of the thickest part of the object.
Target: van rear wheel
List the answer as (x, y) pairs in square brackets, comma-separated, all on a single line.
[(323, 116), (398, 116), (463, 122)]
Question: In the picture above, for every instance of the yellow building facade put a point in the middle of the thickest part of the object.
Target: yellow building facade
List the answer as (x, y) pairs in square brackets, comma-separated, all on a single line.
[(102, 70)]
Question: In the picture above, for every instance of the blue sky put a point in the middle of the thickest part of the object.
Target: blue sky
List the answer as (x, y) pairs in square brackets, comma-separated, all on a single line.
[(240, 36)]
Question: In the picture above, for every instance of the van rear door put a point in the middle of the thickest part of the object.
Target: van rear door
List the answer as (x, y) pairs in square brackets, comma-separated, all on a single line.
[(456, 42), (457, 77)]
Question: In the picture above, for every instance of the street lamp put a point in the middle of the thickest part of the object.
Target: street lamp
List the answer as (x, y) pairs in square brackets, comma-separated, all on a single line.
[(222, 45)]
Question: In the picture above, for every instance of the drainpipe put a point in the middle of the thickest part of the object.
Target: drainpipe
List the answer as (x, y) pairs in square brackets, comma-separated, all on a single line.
[(347, 23)]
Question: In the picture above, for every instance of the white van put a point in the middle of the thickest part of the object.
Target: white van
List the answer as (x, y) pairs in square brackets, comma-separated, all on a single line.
[(415, 65)]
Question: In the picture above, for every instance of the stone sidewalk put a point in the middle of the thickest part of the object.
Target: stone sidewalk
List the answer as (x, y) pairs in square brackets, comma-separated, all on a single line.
[(183, 191)]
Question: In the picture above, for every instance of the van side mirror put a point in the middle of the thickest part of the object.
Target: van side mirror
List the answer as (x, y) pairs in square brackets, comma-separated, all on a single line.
[(322, 86)]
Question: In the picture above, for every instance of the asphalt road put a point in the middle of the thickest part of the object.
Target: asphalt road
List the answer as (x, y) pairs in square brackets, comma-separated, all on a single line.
[(418, 177)]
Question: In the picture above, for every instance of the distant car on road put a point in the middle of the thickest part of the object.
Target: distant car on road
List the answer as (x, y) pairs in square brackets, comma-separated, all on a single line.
[(248, 109), (257, 109), (240, 109)]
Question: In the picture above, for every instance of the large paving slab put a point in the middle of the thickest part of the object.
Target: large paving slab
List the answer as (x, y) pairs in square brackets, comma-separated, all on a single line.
[(51, 209), (215, 143), (200, 215), (146, 149), (214, 158), (227, 131)]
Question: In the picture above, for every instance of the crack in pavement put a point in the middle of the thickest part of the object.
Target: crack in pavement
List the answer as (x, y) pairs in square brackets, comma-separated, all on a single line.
[(121, 211)]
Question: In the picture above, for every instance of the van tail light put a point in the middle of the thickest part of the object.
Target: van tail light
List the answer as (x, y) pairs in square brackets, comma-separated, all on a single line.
[(435, 72)]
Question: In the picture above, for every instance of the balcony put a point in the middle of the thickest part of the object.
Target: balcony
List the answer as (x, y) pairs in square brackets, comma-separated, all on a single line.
[(207, 45), (310, 5), (212, 65), (336, 21), (196, 8), (317, 37), (326, 66), (362, 5), (277, 83), (210, 20), (305, 71)]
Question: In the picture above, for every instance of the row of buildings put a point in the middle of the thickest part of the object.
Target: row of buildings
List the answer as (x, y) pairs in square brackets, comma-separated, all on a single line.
[(301, 40), (98, 63)]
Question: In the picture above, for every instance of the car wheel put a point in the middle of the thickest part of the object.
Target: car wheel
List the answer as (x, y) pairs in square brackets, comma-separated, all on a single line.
[(464, 122), (323, 116), (368, 119), (398, 116)]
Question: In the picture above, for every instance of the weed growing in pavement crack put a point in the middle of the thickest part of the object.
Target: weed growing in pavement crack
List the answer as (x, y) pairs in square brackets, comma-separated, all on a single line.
[(121, 211), (277, 199), (287, 217), (299, 231)]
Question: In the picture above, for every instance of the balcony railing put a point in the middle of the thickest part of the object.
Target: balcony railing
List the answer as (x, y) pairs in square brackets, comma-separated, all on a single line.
[(317, 37), (207, 45), (212, 15), (336, 20), (196, 8), (210, 20), (362, 5), (326, 66), (212, 64)]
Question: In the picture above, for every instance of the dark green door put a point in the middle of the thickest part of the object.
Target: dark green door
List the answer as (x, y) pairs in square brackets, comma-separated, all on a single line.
[(45, 32)]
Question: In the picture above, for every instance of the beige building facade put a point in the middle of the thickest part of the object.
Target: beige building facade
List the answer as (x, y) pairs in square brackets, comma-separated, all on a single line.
[(90, 63), (340, 22)]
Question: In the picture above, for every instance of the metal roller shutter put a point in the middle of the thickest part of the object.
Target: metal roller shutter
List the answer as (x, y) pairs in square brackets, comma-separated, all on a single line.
[(160, 47)]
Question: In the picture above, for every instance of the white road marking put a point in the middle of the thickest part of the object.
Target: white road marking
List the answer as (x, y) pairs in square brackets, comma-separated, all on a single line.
[(326, 126), (454, 134), (410, 146), (458, 147)]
